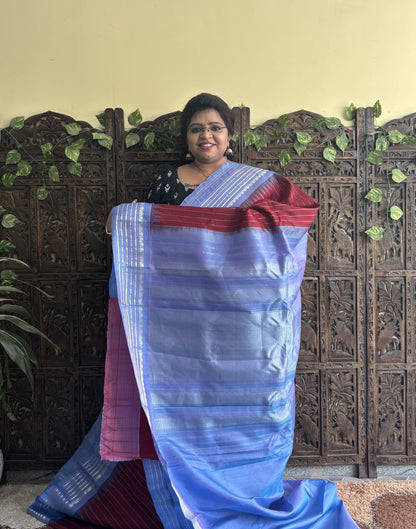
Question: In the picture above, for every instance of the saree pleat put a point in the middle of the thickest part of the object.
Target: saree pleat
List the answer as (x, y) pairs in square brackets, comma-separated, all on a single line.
[(209, 295)]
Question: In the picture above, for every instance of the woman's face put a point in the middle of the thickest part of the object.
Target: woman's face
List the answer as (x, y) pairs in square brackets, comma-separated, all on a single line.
[(207, 136)]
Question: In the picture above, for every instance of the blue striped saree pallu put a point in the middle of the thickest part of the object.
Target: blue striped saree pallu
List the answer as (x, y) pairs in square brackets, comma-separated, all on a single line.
[(209, 295)]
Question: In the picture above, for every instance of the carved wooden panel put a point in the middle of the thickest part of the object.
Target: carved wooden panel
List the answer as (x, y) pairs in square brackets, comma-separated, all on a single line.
[(356, 378)]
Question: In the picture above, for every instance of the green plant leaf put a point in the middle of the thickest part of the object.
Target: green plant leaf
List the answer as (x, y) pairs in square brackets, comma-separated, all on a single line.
[(103, 139), (75, 168), (135, 118), (382, 143), (284, 157), (23, 168), (299, 147), (397, 176), (396, 213), (149, 142), (276, 134), (7, 290), (175, 128), (284, 120), (351, 112), (249, 137), (46, 149), (73, 129), (132, 139), (374, 157), (2, 210), (330, 154), (17, 123), (375, 233), (54, 173), (9, 308), (42, 193), (13, 260), (72, 153), (374, 195), (333, 123), (261, 142), (16, 351), (377, 109), (78, 143), (8, 274), (13, 157), (395, 136), (304, 138), (168, 145), (8, 179), (409, 140), (9, 220), (6, 246), (25, 326), (101, 118), (342, 141), (318, 123)]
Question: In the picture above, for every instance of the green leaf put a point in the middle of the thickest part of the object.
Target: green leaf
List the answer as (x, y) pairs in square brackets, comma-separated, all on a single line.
[(175, 128), (13, 157), (16, 351), (168, 145), (351, 112), (54, 173), (75, 168), (284, 157), (2, 210), (276, 134), (249, 137), (342, 141), (396, 213), (132, 139), (17, 123), (24, 325), (299, 147), (330, 154), (318, 123), (397, 176), (284, 120), (103, 139), (8, 179), (6, 246), (46, 149), (9, 220), (42, 193), (23, 168), (374, 195), (395, 136), (135, 118), (78, 143), (382, 143), (9, 308), (149, 142), (409, 140), (303, 138), (377, 109), (13, 260), (333, 123), (261, 142), (71, 153), (101, 118), (375, 233), (375, 157), (8, 274), (73, 129)]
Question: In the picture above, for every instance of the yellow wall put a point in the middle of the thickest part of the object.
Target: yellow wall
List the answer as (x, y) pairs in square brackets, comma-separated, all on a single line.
[(80, 56)]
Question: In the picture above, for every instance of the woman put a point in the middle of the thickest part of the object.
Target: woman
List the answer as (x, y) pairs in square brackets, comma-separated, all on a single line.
[(209, 297)]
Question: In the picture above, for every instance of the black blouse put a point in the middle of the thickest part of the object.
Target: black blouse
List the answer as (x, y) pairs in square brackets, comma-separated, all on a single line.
[(168, 189)]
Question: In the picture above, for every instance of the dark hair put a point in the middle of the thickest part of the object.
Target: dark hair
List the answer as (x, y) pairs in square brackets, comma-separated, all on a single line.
[(203, 102)]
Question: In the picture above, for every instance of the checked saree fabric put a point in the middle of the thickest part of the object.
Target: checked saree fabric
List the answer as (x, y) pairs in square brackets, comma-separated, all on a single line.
[(209, 297)]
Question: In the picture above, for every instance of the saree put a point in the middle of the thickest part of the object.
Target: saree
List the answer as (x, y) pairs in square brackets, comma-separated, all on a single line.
[(209, 297)]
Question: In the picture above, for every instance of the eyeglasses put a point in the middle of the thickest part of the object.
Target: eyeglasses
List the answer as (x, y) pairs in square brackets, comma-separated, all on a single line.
[(215, 129)]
